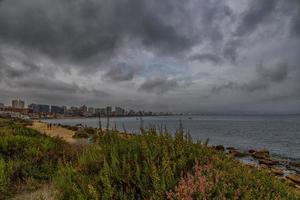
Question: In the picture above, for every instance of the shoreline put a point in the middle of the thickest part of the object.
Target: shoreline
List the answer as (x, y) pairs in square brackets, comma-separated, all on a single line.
[(258, 158), (221, 156)]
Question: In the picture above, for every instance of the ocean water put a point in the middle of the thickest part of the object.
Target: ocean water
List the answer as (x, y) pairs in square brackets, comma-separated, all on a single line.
[(280, 134)]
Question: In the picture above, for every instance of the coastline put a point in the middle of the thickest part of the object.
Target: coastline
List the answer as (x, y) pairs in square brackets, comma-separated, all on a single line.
[(231, 171), (262, 158)]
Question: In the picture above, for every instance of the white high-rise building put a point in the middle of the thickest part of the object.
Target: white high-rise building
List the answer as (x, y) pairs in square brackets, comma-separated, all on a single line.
[(18, 103)]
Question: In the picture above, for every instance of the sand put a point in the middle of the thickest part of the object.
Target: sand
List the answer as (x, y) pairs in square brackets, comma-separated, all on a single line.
[(55, 131)]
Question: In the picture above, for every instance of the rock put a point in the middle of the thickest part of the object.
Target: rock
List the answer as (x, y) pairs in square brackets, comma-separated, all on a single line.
[(263, 154), (264, 166), (237, 153), (277, 171), (251, 151), (293, 177), (295, 164), (267, 162), (219, 148), (231, 148), (290, 183)]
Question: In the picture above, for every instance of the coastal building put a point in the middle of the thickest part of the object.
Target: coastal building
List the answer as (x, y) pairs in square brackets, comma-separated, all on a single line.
[(1, 106), (74, 111), (131, 113), (83, 109), (18, 103), (119, 111), (100, 111), (108, 111), (65, 109), (57, 110), (39, 108), (91, 110)]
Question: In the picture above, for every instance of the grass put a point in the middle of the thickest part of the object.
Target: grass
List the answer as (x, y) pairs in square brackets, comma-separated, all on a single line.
[(158, 166), (152, 165), (28, 157)]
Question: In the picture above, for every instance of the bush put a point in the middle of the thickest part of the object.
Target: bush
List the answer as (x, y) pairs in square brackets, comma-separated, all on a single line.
[(25, 154), (158, 166)]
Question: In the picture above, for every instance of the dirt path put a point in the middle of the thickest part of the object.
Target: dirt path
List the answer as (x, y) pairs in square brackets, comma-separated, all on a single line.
[(43, 193), (55, 131)]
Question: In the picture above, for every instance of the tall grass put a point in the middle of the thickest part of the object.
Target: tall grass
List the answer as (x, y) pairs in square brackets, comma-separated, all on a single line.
[(158, 166), (27, 156)]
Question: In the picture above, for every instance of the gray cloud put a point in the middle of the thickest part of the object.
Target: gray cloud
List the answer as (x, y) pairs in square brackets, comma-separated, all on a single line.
[(120, 72), (295, 23), (80, 30), (206, 57), (99, 51), (231, 48), (276, 73), (265, 76), (258, 12), (159, 85)]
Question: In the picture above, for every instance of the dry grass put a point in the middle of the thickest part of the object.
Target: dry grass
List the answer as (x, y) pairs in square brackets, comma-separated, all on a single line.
[(43, 193)]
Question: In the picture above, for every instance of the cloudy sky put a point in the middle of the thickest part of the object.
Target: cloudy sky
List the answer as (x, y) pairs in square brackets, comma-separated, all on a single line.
[(170, 55)]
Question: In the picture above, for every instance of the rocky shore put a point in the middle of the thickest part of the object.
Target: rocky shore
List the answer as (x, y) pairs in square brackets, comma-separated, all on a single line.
[(284, 169)]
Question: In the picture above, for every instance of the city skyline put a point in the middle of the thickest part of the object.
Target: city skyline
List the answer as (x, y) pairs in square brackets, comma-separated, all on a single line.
[(198, 56)]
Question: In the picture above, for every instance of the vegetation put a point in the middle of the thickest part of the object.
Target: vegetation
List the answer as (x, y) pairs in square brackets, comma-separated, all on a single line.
[(153, 165), (158, 166), (28, 157)]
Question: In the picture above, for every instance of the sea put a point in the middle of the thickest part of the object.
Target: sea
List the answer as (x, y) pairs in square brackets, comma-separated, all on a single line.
[(280, 134)]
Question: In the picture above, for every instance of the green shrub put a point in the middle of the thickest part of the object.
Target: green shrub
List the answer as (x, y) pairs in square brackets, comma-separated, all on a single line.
[(151, 165), (25, 154)]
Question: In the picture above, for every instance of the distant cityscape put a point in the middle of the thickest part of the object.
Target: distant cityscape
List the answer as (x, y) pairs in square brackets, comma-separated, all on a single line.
[(37, 111)]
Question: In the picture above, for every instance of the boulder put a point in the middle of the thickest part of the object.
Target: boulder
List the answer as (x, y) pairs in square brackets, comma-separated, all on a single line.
[(263, 154), (231, 148), (277, 171), (295, 164), (219, 148), (237, 153), (267, 162), (293, 177), (251, 151), (264, 166)]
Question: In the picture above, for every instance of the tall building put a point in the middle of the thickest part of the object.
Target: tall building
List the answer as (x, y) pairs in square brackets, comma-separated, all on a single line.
[(108, 111), (74, 111), (100, 111), (91, 110), (83, 109), (1, 105), (18, 103), (39, 108), (119, 111), (57, 110)]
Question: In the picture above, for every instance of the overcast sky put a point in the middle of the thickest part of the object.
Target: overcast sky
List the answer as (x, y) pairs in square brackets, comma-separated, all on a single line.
[(169, 55)]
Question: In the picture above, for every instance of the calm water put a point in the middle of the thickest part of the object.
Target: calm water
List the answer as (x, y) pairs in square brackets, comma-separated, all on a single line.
[(279, 134)]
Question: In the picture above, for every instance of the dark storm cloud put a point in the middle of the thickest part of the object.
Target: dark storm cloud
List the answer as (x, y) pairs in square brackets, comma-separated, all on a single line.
[(13, 72), (206, 57), (258, 11), (295, 24), (81, 30), (265, 76), (120, 72), (276, 73), (61, 49), (231, 48), (159, 85)]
